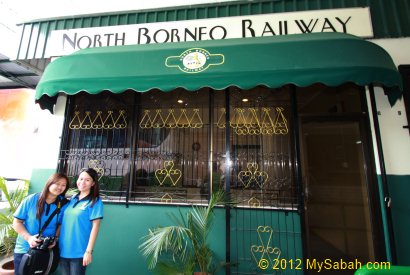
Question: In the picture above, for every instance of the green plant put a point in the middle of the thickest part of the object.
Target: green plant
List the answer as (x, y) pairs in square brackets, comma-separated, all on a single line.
[(184, 247), (13, 199)]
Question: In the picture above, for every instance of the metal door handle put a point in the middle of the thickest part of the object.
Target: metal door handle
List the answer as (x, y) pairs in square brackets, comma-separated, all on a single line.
[(388, 201)]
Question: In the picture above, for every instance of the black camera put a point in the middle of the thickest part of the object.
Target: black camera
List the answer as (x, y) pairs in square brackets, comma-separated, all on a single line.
[(45, 242)]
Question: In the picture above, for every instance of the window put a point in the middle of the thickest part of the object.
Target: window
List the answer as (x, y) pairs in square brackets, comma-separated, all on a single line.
[(260, 170), (171, 147)]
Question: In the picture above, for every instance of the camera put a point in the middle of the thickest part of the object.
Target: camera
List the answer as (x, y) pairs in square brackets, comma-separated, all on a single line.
[(45, 242)]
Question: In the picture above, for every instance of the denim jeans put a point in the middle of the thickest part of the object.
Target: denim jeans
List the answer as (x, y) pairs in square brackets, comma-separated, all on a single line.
[(17, 261), (71, 266)]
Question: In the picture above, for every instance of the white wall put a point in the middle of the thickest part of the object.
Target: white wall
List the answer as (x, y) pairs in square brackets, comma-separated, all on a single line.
[(29, 137), (398, 49), (47, 139), (395, 139), (9, 30)]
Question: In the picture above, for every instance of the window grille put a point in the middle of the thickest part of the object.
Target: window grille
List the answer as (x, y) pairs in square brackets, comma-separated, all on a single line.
[(171, 147)]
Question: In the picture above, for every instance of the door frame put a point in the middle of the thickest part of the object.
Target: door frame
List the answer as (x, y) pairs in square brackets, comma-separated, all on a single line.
[(373, 194)]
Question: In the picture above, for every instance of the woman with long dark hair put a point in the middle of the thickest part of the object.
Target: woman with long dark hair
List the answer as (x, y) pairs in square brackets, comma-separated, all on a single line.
[(32, 213), (81, 224)]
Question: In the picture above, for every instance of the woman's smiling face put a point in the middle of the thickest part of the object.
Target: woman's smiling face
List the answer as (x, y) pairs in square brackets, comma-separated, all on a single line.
[(84, 182), (58, 187)]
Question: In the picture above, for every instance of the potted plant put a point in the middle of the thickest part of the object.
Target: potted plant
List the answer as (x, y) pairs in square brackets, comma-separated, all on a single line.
[(184, 247), (7, 234)]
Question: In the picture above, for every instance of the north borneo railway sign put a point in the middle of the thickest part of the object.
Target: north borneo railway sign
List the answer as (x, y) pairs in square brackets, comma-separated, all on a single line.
[(354, 21)]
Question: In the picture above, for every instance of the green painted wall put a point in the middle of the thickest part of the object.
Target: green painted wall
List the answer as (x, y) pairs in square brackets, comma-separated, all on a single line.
[(116, 250), (399, 188), (383, 218), (39, 178)]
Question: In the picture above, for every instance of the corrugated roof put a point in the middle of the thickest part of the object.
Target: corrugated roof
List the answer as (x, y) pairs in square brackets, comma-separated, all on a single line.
[(389, 19), (13, 75)]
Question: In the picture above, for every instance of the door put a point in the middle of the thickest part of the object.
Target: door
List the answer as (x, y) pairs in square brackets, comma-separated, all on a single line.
[(337, 216)]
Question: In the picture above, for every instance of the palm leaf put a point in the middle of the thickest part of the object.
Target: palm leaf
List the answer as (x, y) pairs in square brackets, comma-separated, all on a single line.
[(7, 233), (161, 239), (186, 241)]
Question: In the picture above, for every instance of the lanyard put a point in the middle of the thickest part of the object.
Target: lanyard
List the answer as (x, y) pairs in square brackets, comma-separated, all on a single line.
[(55, 212)]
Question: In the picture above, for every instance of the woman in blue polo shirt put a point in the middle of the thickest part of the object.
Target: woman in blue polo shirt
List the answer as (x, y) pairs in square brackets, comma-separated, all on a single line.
[(32, 213), (80, 225)]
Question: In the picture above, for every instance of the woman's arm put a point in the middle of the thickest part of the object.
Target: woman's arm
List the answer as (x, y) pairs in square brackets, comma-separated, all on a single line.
[(18, 225), (87, 259)]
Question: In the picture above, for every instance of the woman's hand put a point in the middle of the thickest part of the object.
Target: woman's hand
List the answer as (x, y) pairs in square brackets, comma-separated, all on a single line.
[(54, 243), (33, 241), (87, 258)]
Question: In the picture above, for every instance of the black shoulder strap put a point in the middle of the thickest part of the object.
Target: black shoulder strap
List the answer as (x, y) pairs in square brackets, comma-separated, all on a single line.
[(60, 203)]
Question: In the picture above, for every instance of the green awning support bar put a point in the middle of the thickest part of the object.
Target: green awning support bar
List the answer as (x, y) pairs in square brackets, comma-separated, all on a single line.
[(302, 59)]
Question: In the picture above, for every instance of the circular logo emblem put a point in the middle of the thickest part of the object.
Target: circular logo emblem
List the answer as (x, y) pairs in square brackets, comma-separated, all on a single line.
[(195, 60)]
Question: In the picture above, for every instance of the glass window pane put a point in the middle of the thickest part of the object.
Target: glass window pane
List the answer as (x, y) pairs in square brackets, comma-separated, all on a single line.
[(171, 162), (261, 164), (320, 99)]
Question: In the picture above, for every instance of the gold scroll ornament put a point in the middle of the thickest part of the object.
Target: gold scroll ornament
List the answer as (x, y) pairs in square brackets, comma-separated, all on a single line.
[(247, 121), (253, 175), (168, 172), (264, 253), (88, 120), (158, 119)]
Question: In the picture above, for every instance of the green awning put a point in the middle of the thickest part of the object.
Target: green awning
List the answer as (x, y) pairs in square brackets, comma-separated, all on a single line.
[(303, 59)]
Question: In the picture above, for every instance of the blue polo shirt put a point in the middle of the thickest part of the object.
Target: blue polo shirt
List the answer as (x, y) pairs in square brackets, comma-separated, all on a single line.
[(77, 225), (27, 213)]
